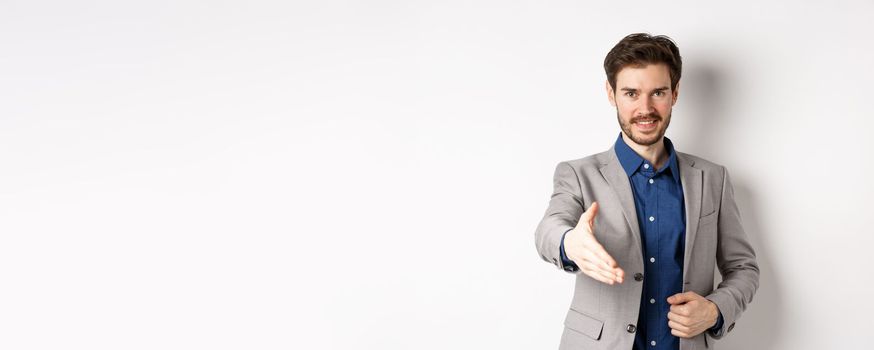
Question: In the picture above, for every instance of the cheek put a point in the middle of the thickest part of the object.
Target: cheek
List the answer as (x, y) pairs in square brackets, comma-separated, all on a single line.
[(625, 110), (664, 108)]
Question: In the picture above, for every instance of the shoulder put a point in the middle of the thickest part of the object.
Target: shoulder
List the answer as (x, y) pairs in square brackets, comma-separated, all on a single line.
[(590, 162), (698, 162), (583, 168), (709, 168)]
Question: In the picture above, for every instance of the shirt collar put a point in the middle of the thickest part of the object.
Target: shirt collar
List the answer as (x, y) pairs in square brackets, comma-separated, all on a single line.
[(631, 161)]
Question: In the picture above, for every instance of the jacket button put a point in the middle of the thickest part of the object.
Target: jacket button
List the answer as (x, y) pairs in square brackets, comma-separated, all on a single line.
[(638, 277), (631, 328)]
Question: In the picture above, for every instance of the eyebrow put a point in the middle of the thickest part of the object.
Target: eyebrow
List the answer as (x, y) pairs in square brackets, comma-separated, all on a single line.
[(663, 88)]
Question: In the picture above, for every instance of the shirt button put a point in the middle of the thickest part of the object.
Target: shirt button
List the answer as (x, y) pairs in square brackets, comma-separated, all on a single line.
[(646, 166), (651, 180), (652, 260), (652, 301), (652, 343), (651, 218)]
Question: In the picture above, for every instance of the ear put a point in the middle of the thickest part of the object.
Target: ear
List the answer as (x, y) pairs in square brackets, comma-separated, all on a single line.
[(675, 92), (610, 95)]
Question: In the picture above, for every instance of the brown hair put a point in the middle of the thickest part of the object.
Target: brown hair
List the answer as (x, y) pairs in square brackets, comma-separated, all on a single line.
[(640, 49)]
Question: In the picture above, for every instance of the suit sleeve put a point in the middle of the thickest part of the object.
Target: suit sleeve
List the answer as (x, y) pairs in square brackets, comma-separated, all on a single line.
[(569, 265), (736, 261), (562, 214)]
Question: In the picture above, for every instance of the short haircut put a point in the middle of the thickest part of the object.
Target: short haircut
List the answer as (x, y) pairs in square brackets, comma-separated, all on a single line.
[(640, 49)]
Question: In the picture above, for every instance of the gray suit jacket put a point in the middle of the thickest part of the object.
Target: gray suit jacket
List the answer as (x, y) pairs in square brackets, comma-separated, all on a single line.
[(602, 316)]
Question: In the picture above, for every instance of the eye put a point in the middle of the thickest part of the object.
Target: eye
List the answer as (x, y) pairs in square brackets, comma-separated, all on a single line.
[(629, 93), (659, 93)]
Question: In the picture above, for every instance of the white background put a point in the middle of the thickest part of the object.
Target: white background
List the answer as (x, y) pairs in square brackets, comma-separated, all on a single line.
[(369, 175)]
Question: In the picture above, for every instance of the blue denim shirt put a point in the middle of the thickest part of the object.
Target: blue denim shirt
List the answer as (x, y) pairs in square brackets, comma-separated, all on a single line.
[(658, 200)]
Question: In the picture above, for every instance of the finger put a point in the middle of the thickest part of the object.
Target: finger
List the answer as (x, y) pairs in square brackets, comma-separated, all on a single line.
[(606, 260), (608, 274), (598, 250), (617, 273), (591, 273), (592, 256), (679, 334), (681, 298), (601, 258), (595, 253), (587, 214), (593, 211), (594, 267), (678, 318), (601, 267), (620, 273), (679, 327), (681, 310)]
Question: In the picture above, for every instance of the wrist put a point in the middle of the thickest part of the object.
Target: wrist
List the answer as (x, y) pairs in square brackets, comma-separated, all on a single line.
[(714, 313), (569, 237)]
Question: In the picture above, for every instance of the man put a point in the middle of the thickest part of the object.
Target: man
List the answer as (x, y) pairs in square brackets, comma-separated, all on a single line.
[(643, 225)]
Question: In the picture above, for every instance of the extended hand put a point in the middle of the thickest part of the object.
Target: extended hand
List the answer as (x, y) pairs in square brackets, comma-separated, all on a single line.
[(583, 248), (691, 314)]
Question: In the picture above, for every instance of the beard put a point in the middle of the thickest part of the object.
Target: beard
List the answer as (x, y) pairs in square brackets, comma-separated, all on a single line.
[(644, 140)]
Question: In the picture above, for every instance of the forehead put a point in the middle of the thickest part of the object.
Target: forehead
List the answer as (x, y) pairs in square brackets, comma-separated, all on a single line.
[(643, 77)]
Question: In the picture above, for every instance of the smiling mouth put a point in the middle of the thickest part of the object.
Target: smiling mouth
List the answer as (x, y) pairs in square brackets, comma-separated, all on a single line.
[(646, 124)]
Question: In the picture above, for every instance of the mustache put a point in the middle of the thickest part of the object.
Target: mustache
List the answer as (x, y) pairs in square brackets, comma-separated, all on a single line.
[(654, 116)]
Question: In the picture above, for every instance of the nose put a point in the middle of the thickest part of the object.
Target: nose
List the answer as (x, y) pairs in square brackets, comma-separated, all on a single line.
[(646, 106)]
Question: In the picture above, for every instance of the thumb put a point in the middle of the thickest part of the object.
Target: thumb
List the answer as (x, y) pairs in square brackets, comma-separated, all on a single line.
[(589, 215), (682, 298)]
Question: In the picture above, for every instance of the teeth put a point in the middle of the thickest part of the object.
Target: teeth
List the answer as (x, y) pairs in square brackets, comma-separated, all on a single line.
[(647, 122)]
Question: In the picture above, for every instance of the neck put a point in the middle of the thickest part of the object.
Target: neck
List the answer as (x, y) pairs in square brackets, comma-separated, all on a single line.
[(655, 153)]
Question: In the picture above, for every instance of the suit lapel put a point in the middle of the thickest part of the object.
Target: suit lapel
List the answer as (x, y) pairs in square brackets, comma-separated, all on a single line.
[(612, 171), (693, 183)]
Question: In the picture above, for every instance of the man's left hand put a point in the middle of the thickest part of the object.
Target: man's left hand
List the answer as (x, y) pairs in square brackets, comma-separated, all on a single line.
[(691, 314)]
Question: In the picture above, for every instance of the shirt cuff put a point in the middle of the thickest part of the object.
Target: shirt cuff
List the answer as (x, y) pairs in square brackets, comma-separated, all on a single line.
[(719, 322), (568, 264)]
